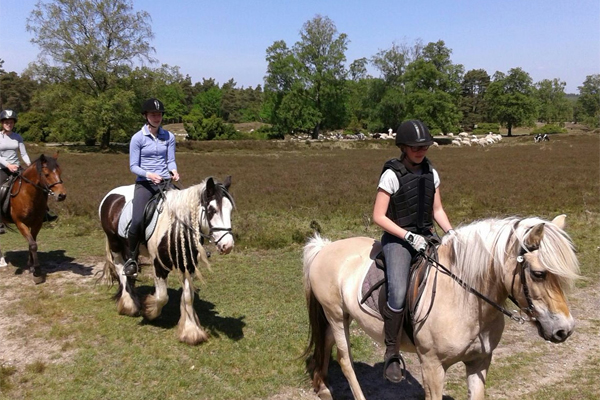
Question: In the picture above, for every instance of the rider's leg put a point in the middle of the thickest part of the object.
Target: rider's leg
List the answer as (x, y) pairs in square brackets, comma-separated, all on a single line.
[(143, 192), (4, 174), (398, 257)]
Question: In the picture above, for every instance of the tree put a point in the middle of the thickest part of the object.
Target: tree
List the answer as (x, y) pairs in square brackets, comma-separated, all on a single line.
[(553, 105), (511, 99), (308, 81), (472, 103), (94, 42), (589, 101)]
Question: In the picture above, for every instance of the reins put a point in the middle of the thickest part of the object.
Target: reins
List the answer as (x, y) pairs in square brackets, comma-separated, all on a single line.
[(46, 189), (512, 315)]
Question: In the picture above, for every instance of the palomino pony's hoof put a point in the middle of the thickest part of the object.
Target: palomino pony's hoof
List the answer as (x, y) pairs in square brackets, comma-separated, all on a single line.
[(3, 263)]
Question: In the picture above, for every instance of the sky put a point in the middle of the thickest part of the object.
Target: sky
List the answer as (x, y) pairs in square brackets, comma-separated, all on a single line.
[(228, 39)]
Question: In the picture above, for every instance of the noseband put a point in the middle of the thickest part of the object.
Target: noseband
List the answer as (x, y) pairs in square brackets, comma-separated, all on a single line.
[(46, 188)]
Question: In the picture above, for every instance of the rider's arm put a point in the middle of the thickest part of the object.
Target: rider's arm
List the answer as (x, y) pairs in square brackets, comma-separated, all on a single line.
[(135, 150)]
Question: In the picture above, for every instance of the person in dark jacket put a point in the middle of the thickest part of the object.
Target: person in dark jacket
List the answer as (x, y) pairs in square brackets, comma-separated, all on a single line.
[(408, 201)]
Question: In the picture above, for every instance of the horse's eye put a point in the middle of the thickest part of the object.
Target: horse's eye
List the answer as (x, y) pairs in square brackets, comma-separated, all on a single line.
[(538, 275), (210, 213)]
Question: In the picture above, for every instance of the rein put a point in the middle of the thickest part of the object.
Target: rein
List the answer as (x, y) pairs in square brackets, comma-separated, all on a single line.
[(46, 189), (512, 315)]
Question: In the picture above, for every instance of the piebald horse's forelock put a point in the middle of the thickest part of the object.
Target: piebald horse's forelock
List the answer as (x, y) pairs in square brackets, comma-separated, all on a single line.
[(485, 246)]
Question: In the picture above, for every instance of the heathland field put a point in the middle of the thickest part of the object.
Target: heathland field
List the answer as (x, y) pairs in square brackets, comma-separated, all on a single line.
[(63, 339)]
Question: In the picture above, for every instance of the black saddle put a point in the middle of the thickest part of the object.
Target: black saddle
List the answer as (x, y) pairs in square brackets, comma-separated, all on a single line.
[(5, 190)]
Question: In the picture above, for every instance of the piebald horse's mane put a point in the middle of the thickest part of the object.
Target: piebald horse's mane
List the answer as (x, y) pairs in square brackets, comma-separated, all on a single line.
[(183, 208), (485, 246)]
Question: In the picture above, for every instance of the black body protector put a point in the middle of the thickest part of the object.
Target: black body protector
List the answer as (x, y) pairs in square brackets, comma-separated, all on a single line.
[(411, 207)]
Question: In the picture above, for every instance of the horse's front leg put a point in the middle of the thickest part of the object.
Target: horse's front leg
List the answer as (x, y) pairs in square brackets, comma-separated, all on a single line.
[(476, 375), (434, 374), (153, 304), (32, 261), (189, 329)]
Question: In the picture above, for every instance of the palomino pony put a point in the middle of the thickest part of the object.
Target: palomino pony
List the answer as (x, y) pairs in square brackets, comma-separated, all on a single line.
[(531, 260), (29, 202), (188, 216)]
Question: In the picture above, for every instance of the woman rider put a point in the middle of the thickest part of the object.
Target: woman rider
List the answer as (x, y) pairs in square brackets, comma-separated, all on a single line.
[(152, 159), (407, 202)]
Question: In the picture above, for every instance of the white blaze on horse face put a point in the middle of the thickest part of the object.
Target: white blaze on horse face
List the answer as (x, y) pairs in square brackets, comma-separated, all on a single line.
[(221, 225)]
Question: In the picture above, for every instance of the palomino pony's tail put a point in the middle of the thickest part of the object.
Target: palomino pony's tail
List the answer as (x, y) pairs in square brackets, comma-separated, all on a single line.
[(318, 323)]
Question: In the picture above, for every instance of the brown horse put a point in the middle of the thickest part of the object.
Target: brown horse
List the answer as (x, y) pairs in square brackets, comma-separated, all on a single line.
[(28, 205)]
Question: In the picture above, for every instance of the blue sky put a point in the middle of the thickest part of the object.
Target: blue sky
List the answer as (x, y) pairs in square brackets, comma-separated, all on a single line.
[(228, 39)]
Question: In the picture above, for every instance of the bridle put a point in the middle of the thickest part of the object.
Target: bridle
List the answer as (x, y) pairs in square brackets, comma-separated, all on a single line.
[(47, 188), (204, 202), (514, 315)]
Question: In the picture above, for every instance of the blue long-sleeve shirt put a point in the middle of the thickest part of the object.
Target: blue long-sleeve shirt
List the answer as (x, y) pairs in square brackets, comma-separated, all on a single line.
[(152, 154)]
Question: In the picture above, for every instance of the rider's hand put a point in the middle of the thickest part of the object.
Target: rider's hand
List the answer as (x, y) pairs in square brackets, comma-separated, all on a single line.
[(154, 178), (418, 242), (175, 175), (12, 167)]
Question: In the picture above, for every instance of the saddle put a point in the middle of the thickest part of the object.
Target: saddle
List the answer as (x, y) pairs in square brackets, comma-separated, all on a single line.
[(373, 293), (5, 191), (152, 210)]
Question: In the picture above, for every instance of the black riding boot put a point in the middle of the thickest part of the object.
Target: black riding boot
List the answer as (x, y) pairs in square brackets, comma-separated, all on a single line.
[(393, 367), (130, 268)]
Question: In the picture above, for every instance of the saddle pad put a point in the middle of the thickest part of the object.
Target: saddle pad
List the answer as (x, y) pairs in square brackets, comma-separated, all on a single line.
[(371, 278)]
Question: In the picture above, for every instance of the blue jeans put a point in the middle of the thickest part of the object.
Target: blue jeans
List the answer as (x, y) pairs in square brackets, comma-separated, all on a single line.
[(398, 257)]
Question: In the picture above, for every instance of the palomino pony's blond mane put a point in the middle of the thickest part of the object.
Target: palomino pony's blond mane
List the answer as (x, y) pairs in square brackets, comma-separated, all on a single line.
[(484, 247)]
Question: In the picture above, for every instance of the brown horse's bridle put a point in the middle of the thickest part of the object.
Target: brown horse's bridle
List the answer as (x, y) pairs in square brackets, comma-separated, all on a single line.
[(46, 188)]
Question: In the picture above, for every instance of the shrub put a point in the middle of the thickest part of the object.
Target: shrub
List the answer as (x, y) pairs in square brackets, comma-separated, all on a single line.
[(485, 128), (548, 129)]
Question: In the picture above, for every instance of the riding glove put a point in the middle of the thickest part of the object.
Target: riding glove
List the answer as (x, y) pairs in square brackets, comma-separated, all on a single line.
[(418, 242)]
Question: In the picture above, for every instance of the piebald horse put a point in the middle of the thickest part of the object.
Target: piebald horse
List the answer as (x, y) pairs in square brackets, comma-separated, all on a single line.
[(530, 260), (29, 202), (188, 216)]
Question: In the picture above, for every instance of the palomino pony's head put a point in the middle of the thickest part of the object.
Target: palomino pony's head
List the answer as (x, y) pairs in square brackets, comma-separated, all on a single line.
[(532, 259), (46, 174)]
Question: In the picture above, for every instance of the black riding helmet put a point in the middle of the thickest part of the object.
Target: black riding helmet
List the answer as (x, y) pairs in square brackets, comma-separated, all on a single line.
[(413, 133), (153, 105), (8, 114)]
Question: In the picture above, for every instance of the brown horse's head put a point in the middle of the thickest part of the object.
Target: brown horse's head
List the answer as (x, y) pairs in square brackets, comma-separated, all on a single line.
[(49, 176)]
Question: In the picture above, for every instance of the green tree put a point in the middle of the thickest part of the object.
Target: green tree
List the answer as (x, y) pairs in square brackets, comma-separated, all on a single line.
[(93, 42), (433, 88), (308, 81), (16, 91), (589, 101), (472, 102), (511, 99), (553, 105)]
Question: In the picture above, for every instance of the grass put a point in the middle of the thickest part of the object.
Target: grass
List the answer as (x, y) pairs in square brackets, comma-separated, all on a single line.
[(252, 302)]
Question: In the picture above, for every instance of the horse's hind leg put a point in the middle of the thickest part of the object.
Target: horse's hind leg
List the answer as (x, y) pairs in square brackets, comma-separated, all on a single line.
[(189, 329), (476, 375), (320, 372), (341, 333)]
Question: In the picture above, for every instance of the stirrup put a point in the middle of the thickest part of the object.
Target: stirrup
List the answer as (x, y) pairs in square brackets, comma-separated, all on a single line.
[(397, 357), (130, 269)]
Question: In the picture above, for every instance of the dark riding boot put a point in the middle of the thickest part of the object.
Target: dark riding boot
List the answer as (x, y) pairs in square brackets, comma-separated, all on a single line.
[(130, 269), (393, 367)]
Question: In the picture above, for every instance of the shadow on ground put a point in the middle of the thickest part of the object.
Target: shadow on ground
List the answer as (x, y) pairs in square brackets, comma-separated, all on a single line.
[(50, 261)]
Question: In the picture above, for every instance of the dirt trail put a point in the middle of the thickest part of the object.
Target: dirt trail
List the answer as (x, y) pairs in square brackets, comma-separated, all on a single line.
[(554, 364)]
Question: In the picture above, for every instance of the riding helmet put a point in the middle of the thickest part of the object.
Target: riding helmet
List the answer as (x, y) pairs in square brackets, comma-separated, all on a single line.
[(153, 105), (413, 133), (8, 114)]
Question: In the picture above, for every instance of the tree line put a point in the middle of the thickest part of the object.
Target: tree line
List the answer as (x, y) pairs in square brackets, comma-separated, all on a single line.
[(87, 85)]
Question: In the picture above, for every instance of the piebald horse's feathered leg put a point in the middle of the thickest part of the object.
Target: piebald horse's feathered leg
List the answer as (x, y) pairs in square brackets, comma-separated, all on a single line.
[(189, 329)]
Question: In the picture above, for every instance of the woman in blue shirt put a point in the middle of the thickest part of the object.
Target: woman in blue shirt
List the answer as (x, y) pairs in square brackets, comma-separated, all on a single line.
[(152, 159)]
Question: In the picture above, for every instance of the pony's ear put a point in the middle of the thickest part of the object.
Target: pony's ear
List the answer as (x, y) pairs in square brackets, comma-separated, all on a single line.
[(210, 187), (227, 182), (534, 237), (560, 221)]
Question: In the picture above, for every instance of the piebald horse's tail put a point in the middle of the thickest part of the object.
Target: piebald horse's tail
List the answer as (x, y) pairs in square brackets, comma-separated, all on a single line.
[(318, 324)]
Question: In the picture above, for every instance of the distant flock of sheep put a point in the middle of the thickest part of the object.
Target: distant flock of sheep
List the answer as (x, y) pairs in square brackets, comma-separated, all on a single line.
[(461, 139)]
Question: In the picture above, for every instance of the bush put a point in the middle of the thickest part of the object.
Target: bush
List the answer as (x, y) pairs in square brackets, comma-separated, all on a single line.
[(211, 128), (548, 129), (485, 128)]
